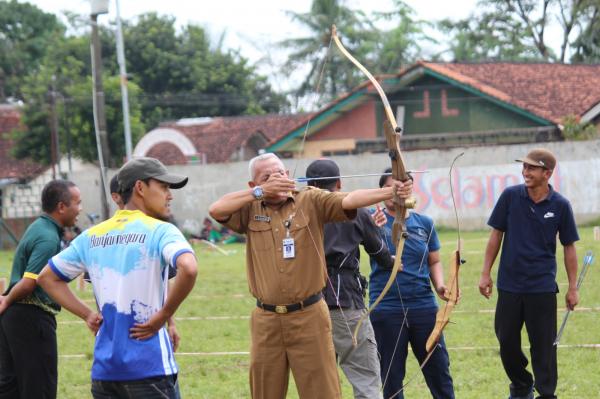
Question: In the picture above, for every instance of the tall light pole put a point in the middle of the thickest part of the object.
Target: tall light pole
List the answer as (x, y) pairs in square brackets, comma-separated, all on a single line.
[(54, 144), (99, 7), (124, 92)]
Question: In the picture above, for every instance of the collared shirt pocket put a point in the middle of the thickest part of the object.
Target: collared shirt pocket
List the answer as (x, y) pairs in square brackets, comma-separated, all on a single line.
[(300, 232), (260, 235)]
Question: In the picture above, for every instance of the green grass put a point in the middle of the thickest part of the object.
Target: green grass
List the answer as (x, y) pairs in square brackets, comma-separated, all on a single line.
[(221, 290)]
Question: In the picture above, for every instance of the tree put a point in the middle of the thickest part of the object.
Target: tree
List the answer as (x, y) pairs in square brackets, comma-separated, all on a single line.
[(69, 82), (516, 29), (181, 76), (25, 36), (173, 75), (78, 112), (491, 35), (339, 75), (586, 47), (573, 129), (401, 44)]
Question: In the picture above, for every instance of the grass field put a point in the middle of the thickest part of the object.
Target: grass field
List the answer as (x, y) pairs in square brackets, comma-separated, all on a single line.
[(213, 323)]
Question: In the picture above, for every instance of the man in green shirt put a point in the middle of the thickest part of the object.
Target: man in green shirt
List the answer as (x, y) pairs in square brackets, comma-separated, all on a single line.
[(28, 353)]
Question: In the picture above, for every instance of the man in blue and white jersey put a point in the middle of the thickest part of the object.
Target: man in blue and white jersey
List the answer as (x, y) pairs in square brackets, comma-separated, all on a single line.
[(127, 258)]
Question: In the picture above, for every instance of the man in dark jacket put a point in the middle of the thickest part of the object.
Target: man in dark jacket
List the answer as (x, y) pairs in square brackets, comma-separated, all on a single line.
[(346, 287)]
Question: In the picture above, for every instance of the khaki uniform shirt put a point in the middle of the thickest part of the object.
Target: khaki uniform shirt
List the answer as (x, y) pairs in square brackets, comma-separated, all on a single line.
[(271, 278)]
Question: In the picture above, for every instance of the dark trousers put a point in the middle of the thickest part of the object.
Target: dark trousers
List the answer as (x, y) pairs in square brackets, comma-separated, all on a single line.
[(164, 387), (538, 313), (28, 354), (393, 349)]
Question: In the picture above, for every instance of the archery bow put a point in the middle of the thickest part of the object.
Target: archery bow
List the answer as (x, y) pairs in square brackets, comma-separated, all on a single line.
[(392, 135), (443, 315)]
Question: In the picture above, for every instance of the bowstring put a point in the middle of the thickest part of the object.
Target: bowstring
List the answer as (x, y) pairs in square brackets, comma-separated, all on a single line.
[(458, 242), (404, 321), (323, 262), (415, 375), (454, 200), (429, 355), (317, 95)]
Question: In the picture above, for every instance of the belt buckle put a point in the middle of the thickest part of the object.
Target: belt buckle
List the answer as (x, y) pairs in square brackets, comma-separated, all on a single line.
[(281, 309)]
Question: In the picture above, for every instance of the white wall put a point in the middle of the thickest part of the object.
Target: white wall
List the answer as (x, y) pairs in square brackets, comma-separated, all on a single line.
[(24, 200), (478, 178)]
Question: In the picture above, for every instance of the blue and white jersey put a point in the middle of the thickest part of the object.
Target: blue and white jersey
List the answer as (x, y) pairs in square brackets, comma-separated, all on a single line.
[(127, 258)]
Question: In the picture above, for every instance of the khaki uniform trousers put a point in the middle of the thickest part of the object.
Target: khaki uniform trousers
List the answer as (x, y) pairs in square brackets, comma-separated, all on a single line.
[(300, 341)]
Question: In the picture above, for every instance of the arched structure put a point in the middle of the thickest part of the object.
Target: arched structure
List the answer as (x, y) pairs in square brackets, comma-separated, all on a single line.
[(165, 135)]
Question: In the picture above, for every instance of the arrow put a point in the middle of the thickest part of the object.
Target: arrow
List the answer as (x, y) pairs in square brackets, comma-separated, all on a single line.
[(305, 179), (587, 262)]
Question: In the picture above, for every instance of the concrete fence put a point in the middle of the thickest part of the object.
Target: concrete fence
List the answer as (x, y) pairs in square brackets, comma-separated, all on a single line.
[(478, 179)]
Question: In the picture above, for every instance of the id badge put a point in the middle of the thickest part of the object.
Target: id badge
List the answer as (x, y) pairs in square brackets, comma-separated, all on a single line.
[(289, 251)]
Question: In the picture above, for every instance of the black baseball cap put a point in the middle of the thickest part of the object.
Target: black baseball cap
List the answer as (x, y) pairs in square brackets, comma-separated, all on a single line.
[(146, 168), (322, 168)]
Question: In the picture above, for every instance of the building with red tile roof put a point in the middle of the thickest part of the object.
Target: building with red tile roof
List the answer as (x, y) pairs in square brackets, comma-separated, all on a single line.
[(550, 91), (218, 139), (454, 104)]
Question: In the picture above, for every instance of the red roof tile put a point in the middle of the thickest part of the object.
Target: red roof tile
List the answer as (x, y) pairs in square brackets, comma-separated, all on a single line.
[(550, 91), (10, 167), (168, 153), (221, 137)]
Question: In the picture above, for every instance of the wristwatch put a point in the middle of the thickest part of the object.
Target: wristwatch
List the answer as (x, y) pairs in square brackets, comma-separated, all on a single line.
[(257, 191)]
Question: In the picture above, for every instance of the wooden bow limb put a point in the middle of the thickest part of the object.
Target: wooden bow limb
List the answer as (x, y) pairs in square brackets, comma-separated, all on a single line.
[(392, 134), (443, 315)]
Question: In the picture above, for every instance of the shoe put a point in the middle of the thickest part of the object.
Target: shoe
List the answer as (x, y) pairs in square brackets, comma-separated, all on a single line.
[(526, 396)]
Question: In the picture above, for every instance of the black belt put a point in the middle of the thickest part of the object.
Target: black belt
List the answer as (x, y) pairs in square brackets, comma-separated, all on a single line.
[(281, 309)]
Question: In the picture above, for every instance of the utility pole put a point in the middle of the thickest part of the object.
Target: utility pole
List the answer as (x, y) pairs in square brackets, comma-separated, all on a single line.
[(54, 144), (124, 91), (99, 7)]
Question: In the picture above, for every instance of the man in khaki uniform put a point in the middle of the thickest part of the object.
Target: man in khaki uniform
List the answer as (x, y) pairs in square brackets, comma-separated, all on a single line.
[(290, 328)]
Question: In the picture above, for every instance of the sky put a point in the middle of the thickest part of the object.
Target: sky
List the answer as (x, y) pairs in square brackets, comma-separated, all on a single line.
[(252, 27)]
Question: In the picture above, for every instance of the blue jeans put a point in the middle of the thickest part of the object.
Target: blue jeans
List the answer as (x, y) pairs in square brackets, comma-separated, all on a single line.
[(165, 387), (419, 324)]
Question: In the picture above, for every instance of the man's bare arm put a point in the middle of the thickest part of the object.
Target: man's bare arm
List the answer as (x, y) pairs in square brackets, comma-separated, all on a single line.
[(276, 187), (366, 197), (436, 274), (491, 252), (224, 207), (62, 294), (572, 296)]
